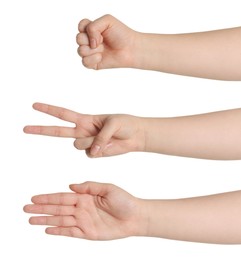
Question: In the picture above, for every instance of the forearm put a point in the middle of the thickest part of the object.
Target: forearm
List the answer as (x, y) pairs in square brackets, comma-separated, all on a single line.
[(208, 219), (214, 135), (213, 54)]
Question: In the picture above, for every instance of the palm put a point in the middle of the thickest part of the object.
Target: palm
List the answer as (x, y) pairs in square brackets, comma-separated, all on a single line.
[(99, 219), (98, 212)]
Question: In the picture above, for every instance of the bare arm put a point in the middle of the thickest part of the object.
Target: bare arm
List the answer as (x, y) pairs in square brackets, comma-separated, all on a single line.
[(100, 211), (214, 135), (208, 219), (108, 43), (213, 54)]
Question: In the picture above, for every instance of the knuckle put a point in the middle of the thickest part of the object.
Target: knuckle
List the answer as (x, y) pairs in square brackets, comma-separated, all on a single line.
[(91, 28), (86, 63), (62, 221), (82, 39), (82, 51), (78, 51), (108, 16), (57, 132), (78, 38), (58, 210)]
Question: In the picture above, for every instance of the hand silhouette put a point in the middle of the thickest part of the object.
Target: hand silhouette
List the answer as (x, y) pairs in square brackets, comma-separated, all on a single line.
[(106, 43), (95, 211), (99, 135)]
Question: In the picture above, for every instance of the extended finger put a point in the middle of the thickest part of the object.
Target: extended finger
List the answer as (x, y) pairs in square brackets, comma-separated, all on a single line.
[(59, 112), (62, 221), (65, 199), (82, 39), (56, 210), (56, 131), (65, 231), (82, 25)]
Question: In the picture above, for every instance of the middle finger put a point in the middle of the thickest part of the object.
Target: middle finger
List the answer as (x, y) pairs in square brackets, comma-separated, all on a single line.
[(82, 39), (55, 210)]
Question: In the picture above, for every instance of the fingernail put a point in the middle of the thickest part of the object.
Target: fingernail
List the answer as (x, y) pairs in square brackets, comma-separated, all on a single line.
[(94, 150)]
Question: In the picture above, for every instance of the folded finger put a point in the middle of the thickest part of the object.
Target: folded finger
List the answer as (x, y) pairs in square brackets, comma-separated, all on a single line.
[(83, 143), (83, 24), (92, 62), (61, 221), (85, 50), (82, 39)]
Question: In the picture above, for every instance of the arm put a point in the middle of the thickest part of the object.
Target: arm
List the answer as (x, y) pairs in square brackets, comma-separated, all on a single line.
[(214, 135), (207, 219), (208, 136), (213, 54), (99, 211), (108, 43)]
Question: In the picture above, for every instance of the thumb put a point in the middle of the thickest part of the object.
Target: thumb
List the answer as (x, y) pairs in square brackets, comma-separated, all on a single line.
[(92, 188), (96, 28), (103, 138)]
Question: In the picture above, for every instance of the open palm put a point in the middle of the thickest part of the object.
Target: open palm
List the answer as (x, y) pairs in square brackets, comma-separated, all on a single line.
[(96, 212)]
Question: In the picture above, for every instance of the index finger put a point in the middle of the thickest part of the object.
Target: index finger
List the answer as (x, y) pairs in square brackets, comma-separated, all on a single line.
[(82, 25), (59, 112)]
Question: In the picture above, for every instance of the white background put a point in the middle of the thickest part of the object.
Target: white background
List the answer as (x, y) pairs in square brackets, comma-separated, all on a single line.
[(38, 62)]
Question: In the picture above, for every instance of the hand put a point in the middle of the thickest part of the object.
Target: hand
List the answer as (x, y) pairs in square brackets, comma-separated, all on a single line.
[(106, 43), (99, 135), (95, 211)]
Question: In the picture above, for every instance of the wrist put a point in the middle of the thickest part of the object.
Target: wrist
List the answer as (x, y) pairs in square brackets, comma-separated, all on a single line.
[(151, 134), (141, 221), (138, 51), (142, 128)]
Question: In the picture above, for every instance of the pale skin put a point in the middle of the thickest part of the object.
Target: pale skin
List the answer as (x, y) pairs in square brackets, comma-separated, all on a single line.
[(108, 43), (207, 136), (98, 211)]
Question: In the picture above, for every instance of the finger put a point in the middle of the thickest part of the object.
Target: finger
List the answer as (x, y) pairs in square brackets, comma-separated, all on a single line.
[(59, 112), (92, 188), (83, 143), (96, 28), (52, 131), (62, 221), (65, 199), (65, 231), (82, 25), (85, 50), (103, 138), (91, 62), (56, 210), (82, 39)]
